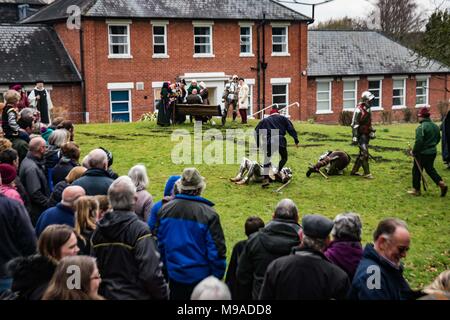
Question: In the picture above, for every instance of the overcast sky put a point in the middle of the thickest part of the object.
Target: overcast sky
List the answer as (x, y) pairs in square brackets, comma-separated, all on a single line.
[(353, 8)]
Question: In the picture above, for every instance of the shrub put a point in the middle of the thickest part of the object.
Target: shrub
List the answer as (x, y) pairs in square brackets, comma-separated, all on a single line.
[(345, 118), (149, 117), (407, 115), (386, 117)]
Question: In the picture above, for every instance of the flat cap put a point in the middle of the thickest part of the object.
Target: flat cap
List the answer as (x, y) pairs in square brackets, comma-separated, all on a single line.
[(316, 226)]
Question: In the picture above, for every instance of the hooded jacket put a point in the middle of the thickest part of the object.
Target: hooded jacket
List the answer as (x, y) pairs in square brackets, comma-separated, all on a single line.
[(274, 241), (158, 205), (392, 284), (127, 259), (346, 255), (191, 240), (62, 169)]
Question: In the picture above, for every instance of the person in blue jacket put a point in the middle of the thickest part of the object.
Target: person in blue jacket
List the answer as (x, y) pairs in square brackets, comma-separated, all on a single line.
[(190, 237)]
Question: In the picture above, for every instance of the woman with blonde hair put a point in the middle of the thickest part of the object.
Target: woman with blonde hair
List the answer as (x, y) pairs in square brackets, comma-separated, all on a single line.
[(90, 279), (56, 196), (144, 202), (86, 214)]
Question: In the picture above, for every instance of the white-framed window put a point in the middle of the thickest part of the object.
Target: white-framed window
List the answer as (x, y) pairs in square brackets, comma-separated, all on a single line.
[(203, 40), (422, 89), (375, 87), (119, 40), (280, 40), (398, 93), (280, 96), (350, 94), (159, 29), (246, 39), (323, 96), (120, 105)]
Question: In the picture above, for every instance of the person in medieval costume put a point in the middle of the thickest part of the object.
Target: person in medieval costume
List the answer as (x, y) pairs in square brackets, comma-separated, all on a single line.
[(270, 135), (233, 95), (445, 127), (164, 106), (23, 102), (362, 133), (40, 99), (252, 171), (334, 162)]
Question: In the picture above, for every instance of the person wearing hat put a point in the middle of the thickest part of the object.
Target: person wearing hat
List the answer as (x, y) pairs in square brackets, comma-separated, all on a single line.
[(193, 86), (23, 102), (190, 237), (8, 188), (362, 132), (428, 137), (40, 99), (307, 274), (243, 99)]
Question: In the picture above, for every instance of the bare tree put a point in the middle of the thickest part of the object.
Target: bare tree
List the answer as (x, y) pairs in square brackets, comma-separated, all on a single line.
[(345, 23), (397, 18)]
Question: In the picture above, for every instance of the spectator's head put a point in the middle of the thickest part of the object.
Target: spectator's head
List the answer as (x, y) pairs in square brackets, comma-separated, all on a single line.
[(138, 175), (194, 83), (104, 206), (252, 225), (71, 150), (68, 125), (11, 97), (71, 194), (194, 91), (10, 156), (316, 231), (89, 280), (347, 226), (17, 87), (86, 214), (98, 159), (28, 115), (75, 173), (85, 162), (59, 137), (58, 241), (392, 239), (211, 288), (37, 147), (122, 194), (202, 85), (241, 81), (286, 210), (109, 155), (191, 182), (57, 121), (5, 144), (8, 173), (441, 285), (235, 77)]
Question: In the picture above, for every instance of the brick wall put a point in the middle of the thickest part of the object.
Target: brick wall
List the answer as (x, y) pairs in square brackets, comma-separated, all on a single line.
[(66, 100), (437, 93), (71, 41), (143, 68)]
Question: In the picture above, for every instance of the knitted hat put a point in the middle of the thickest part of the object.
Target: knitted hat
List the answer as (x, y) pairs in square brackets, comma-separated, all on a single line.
[(424, 113), (8, 173)]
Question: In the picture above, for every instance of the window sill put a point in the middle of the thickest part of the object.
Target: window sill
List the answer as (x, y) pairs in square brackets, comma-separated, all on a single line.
[(399, 107), (246, 55), (348, 109), (324, 112), (377, 109), (120, 56), (281, 54), (418, 106), (160, 56), (204, 56)]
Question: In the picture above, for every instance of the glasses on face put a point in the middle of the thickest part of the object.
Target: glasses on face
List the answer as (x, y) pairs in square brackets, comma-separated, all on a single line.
[(402, 249)]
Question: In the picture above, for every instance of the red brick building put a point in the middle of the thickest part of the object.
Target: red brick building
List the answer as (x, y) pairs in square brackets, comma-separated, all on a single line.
[(125, 50), (343, 64)]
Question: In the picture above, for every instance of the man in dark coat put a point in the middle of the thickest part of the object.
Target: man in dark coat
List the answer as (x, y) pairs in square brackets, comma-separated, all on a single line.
[(32, 175), (16, 236), (190, 237), (276, 240), (127, 256), (379, 275), (270, 132), (425, 152), (96, 180), (307, 274)]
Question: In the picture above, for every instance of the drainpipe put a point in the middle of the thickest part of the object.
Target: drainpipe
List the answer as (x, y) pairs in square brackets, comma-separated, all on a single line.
[(263, 62), (258, 64), (83, 78)]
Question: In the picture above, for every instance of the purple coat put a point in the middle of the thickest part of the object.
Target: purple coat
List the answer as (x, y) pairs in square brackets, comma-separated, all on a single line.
[(345, 254)]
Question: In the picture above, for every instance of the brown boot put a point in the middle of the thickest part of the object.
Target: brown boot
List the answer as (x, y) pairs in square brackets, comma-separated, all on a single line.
[(236, 179), (444, 188), (265, 183), (414, 192)]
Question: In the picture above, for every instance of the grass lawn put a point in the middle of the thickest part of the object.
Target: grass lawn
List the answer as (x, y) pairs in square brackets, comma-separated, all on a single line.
[(428, 216)]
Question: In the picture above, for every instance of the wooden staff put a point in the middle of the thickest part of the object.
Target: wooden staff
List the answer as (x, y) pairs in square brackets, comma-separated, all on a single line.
[(323, 174), (424, 182)]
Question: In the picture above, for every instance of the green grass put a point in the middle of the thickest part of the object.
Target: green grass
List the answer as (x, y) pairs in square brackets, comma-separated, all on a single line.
[(428, 216)]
